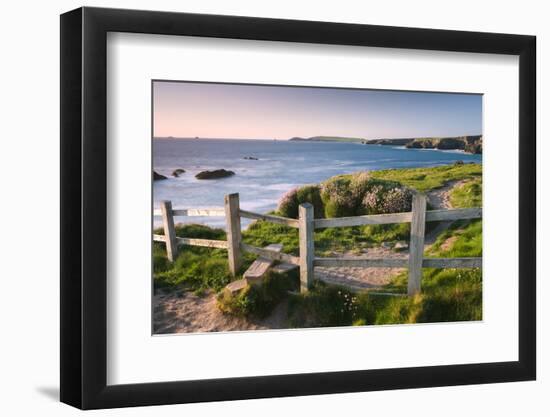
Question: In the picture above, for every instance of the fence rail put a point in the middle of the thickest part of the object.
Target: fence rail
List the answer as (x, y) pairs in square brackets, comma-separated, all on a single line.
[(306, 225), (270, 218)]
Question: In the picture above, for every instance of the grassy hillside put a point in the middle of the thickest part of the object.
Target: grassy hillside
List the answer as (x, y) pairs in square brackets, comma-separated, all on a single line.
[(425, 179)]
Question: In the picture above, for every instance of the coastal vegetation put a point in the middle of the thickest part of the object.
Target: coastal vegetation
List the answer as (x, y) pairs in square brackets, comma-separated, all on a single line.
[(447, 294)]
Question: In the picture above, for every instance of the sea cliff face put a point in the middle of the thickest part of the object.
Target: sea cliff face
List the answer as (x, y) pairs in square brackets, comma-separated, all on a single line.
[(470, 144)]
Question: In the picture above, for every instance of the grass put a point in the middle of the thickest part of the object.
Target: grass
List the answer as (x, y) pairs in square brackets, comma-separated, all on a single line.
[(466, 238), (425, 179), (468, 194), (342, 239), (195, 268), (447, 294)]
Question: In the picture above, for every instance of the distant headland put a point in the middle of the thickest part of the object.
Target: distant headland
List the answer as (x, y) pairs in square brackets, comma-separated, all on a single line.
[(470, 144)]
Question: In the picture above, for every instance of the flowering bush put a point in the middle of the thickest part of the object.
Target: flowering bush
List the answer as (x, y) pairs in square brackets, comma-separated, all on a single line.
[(288, 204), (337, 197), (361, 182), (311, 194), (348, 195), (290, 201), (381, 201)]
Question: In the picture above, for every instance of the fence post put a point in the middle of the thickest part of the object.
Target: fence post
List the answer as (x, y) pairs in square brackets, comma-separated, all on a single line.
[(233, 223), (307, 247), (416, 245), (169, 230)]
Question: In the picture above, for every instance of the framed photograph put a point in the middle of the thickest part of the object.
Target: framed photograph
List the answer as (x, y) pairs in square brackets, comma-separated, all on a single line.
[(259, 208)]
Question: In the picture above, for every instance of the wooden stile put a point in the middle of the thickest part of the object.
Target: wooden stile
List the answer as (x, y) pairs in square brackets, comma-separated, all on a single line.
[(307, 248), (206, 243), (169, 230), (454, 214), (361, 262), (269, 254), (416, 245), (306, 225), (270, 218), (233, 223)]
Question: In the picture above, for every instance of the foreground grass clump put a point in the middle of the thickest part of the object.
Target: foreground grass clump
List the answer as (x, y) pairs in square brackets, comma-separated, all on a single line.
[(259, 300), (323, 306)]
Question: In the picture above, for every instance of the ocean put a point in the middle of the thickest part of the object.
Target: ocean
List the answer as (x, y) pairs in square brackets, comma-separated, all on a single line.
[(281, 165)]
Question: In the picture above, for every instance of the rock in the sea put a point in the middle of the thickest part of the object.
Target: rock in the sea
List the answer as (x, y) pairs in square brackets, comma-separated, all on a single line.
[(401, 246), (177, 172), (212, 175), (157, 176), (251, 158)]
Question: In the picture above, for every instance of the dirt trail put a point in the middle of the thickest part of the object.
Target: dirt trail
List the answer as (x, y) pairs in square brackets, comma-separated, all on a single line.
[(185, 312)]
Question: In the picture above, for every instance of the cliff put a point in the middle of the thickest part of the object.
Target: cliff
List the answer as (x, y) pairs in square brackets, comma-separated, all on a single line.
[(470, 144)]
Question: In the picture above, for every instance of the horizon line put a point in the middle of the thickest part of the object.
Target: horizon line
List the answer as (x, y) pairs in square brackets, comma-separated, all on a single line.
[(317, 136)]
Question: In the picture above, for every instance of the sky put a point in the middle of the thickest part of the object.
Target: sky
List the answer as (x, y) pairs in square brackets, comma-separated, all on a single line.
[(240, 111)]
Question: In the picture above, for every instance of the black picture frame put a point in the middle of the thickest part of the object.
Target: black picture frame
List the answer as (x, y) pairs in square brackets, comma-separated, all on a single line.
[(84, 207)]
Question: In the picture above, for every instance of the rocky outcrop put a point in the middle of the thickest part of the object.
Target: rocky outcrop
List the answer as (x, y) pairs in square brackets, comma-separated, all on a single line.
[(212, 175), (251, 158), (157, 176), (470, 144), (177, 172), (388, 142), (474, 144)]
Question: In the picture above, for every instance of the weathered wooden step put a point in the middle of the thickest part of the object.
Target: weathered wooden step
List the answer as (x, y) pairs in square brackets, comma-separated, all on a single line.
[(283, 268), (236, 286), (256, 272)]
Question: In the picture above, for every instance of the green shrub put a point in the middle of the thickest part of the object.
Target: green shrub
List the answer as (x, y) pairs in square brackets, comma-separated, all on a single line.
[(311, 194), (337, 197), (288, 204), (290, 201)]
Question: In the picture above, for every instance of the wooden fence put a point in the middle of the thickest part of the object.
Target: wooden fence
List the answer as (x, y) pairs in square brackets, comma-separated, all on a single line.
[(306, 225)]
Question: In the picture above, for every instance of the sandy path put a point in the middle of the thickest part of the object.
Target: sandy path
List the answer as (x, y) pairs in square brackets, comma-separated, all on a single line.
[(185, 312)]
